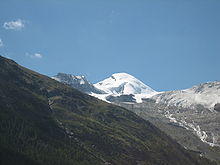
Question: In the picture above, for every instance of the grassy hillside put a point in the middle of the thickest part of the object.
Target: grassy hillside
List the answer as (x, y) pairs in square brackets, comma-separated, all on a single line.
[(45, 122)]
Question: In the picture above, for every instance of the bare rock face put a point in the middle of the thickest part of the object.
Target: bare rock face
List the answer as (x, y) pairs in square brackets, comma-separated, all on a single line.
[(122, 98), (217, 107), (78, 82)]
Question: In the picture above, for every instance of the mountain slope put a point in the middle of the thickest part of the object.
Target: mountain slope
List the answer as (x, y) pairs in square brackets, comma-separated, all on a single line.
[(193, 113), (206, 94), (195, 129), (45, 122), (196, 110)]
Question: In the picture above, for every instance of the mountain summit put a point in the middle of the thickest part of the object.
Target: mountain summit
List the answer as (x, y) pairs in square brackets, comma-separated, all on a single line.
[(123, 83), (123, 87)]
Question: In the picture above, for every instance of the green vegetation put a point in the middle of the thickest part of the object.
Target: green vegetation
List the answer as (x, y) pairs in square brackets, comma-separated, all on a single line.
[(45, 122)]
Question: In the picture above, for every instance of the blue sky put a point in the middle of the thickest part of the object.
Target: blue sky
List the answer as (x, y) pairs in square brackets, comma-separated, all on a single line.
[(168, 44)]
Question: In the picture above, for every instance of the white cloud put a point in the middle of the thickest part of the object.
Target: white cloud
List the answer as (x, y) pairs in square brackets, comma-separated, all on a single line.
[(38, 55), (35, 55), (1, 43), (14, 25)]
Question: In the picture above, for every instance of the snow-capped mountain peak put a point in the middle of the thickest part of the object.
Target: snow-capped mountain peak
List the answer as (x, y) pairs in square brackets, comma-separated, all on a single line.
[(123, 83)]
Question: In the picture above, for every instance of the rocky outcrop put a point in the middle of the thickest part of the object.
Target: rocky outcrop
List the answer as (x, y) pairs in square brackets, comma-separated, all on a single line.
[(217, 107), (122, 98), (78, 82)]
